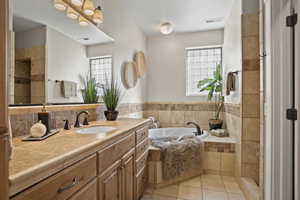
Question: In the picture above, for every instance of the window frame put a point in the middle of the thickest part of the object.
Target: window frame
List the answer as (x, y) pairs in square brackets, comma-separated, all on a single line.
[(102, 57), (187, 94)]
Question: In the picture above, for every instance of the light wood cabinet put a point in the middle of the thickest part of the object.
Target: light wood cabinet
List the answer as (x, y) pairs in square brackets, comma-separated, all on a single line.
[(110, 183), (128, 175), (64, 184), (117, 172), (89, 192)]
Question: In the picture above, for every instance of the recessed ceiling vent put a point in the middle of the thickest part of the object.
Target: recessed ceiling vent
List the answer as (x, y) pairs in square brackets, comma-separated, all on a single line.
[(214, 20)]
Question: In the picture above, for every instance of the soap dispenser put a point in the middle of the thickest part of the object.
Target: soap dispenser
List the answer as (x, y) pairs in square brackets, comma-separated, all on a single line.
[(45, 117)]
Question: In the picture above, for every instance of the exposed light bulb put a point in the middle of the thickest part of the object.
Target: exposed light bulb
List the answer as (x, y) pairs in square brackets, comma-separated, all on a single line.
[(88, 7), (77, 2), (83, 21), (60, 5), (71, 13), (166, 28), (98, 15)]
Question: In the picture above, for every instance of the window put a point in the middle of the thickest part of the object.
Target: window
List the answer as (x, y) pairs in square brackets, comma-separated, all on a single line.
[(200, 64), (101, 68)]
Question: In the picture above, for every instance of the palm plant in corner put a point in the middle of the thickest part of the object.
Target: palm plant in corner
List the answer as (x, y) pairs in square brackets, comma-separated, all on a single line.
[(111, 97), (214, 87)]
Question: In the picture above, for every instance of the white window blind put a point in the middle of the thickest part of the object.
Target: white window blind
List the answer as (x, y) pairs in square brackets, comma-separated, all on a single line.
[(200, 64), (101, 69)]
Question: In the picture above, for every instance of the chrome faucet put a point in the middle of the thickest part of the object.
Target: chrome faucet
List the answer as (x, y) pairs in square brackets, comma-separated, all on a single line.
[(199, 131), (85, 122)]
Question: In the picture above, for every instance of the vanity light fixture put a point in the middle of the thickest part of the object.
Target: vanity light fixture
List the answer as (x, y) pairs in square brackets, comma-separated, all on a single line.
[(83, 10), (60, 5), (166, 28), (98, 15), (88, 7), (83, 21), (77, 2), (71, 13)]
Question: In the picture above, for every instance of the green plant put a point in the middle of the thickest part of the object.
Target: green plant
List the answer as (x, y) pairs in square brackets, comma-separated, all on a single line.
[(214, 86), (111, 95), (90, 90)]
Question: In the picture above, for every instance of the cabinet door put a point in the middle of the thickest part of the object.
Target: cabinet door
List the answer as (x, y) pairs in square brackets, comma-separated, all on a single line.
[(89, 192), (110, 183), (128, 175)]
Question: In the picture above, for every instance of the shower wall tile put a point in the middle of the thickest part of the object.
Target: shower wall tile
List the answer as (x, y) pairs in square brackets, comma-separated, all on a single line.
[(251, 82), (250, 152), (251, 129)]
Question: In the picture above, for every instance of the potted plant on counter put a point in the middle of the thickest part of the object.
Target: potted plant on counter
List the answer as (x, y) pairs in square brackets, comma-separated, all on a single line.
[(214, 87), (90, 90), (111, 97)]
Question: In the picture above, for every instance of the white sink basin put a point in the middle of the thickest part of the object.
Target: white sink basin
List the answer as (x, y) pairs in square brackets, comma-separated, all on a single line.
[(96, 130)]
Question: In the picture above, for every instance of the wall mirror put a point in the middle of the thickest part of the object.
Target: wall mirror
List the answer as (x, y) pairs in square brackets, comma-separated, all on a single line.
[(49, 53)]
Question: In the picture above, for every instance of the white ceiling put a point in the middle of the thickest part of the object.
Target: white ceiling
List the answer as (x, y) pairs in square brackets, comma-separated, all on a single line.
[(186, 15), (42, 12)]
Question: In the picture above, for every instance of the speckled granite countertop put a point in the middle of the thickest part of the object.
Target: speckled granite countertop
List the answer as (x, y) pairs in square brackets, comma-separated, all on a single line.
[(34, 161)]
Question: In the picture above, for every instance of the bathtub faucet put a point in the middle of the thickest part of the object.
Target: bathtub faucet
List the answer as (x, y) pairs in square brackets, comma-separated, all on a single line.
[(199, 131)]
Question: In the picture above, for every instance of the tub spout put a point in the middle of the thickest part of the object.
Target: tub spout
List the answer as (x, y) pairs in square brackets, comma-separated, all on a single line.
[(199, 131)]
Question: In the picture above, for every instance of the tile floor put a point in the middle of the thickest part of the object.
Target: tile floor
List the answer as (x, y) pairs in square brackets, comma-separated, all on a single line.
[(205, 187)]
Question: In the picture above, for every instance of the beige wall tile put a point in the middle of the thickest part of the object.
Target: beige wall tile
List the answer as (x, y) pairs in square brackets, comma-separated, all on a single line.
[(250, 47), (150, 113), (250, 25), (37, 67), (251, 82), (177, 117), (251, 105), (251, 171), (37, 88), (250, 152), (251, 130), (227, 162), (164, 116), (212, 161)]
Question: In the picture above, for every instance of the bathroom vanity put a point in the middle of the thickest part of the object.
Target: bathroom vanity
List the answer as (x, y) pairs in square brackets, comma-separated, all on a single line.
[(83, 166)]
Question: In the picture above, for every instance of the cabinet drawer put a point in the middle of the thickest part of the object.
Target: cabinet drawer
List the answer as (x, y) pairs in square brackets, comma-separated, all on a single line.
[(141, 182), (65, 183), (141, 162), (142, 147), (89, 192), (141, 134), (115, 152)]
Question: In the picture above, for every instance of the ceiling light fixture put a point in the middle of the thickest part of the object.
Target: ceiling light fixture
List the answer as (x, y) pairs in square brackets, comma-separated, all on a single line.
[(83, 21), (77, 2), (60, 5), (88, 7), (98, 15), (166, 28), (71, 13)]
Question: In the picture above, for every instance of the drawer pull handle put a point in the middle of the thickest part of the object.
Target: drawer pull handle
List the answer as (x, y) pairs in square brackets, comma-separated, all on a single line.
[(75, 182)]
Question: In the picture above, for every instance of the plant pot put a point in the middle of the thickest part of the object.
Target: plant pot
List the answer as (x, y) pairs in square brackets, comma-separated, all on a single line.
[(215, 124), (111, 115)]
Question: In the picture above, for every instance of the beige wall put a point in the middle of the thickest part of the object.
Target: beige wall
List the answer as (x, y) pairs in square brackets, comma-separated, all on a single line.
[(167, 67)]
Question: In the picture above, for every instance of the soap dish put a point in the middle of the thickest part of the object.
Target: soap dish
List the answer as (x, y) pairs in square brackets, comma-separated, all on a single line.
[(30, 138)]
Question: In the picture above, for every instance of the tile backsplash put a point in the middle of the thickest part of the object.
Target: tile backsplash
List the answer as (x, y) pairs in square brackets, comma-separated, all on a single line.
[(176, 114), (23, 118)]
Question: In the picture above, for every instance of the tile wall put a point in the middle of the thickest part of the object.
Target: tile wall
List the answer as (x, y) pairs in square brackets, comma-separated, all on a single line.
[(250, 97), (36, 56), (177, 114)]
